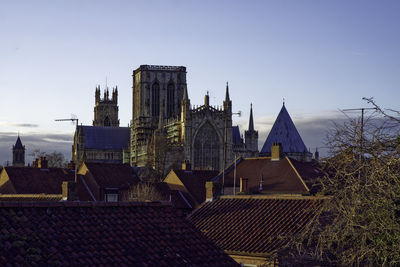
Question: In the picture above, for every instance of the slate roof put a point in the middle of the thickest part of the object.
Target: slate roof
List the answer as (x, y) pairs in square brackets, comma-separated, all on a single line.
[(251, 225), (284, 131), (236, 138), (102, 234), (99, 137), (28, 180), (278, 177), (112, 175), (195, 182)]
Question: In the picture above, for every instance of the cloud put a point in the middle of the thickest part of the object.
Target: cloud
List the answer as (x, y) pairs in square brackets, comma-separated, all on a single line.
[(20, 125), (46, 142)]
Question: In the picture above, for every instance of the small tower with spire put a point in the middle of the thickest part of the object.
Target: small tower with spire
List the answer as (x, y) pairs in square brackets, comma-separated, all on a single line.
[(18, 153), (251, 136)]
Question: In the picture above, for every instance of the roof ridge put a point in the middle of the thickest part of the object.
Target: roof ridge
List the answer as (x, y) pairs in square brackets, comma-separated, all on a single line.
[(49, 204), (275, 196)]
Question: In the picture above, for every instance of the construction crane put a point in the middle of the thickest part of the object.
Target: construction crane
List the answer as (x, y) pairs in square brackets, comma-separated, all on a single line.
[(73, 119)]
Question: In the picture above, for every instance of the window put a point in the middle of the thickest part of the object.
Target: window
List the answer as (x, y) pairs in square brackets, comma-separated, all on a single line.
[(111, 198), (170, 99), (155, 100), (206, 148)]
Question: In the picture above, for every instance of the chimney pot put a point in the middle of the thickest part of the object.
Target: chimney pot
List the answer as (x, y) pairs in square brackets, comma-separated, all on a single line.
[(186, 165), (69, 191), (243, 184), (212, 190)]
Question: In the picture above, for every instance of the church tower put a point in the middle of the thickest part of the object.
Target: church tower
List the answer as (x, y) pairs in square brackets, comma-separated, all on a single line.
[(157, 93), (18, 153), (251, 136), (106, 109)]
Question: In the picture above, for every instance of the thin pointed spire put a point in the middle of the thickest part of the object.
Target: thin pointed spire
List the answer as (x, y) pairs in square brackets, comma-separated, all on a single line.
[(185, 94), (251, 122), (227, 92)]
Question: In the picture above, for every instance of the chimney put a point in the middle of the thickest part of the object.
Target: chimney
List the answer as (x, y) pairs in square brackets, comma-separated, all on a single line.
[(71, 165), (276, 151), (316, 155), (243, 184), (42, 164), (211, 190), (69, 191), (35, 163), (186, 165)]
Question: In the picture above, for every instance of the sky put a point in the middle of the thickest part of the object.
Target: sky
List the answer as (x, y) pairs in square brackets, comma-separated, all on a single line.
[(320, 56)]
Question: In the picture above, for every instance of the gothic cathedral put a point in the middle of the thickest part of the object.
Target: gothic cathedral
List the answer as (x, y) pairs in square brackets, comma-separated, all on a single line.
[(166, 130)]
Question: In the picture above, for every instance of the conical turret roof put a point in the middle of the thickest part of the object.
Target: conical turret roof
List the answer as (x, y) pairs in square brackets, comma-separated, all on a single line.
[(284, 131), (18, 144)]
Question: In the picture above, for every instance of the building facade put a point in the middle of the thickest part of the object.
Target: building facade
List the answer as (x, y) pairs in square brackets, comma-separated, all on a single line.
[(105, 141), (167, 130)]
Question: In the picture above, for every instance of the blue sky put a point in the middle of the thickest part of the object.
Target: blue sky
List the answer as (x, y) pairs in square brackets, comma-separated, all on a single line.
[(320, 56)]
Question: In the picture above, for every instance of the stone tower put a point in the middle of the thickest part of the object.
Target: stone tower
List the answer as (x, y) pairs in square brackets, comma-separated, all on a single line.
[(106, 109), (18, 153), (251, 136), (155, 89)]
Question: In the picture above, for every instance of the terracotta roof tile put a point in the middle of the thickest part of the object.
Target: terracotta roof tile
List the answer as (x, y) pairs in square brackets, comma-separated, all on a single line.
[(279, 177), (254, 224), (27, 180), (112, 175), (195, 182), (85, 234)]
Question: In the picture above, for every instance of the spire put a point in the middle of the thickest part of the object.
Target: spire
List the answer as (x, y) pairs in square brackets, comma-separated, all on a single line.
[(185, 94), (251, 123), (227, 92), (18, 144)]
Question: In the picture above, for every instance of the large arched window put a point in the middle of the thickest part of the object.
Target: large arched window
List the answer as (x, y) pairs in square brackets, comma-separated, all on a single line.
[(206, 148), (170, 99), (155, 99), (107, 121)]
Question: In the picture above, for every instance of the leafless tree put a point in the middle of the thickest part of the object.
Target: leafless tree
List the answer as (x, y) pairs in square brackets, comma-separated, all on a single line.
[(144, 191), (360, 225)]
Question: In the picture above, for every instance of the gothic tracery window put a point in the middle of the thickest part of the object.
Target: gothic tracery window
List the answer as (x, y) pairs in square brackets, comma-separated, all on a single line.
[(107, 121), (170, 99), (206, 148), (155, 99)]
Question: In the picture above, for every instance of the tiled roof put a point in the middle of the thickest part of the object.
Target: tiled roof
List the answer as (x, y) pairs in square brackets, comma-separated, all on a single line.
[(284, 131), (254, 224), (110, 175), (102, 234), (30, 197), (309, 172), (99, 137), (195, 182), (28, 180), (277, 177)]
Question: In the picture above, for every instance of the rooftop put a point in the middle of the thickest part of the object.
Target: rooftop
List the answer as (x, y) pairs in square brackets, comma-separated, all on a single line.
[(87, 234), (254, 224)]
